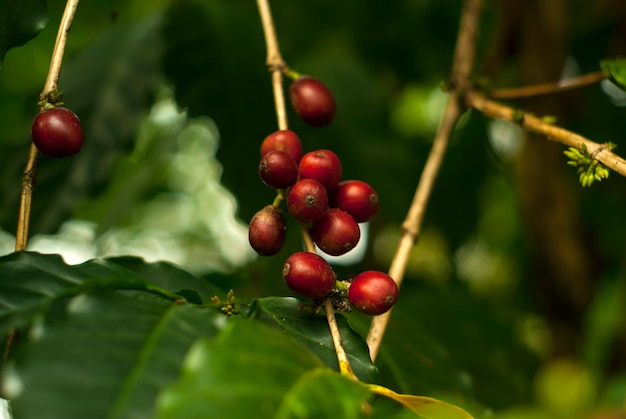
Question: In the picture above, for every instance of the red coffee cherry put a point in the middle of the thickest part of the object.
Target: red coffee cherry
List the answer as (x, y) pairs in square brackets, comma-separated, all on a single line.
[(373, 292), (267, 231), (278, 169), (357, 198), (336, 232), (323, 166), (283, 140), (307, 200), (57, 132), (309, 274), (312, 100)]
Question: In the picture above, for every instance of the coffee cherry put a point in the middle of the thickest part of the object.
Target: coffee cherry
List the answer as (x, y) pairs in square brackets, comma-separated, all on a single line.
[(267, 231), (357, 198), (323, 166), (373, 292), (57, 132), (283, 140), (308, 274), (312, 101), (278, 170), (307, 200), (336, 232)]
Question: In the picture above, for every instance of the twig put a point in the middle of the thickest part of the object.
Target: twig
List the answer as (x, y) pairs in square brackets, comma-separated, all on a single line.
[(274, 61), (459, 83), (492, 109), (50, 85), (548, 88), (342, 356)]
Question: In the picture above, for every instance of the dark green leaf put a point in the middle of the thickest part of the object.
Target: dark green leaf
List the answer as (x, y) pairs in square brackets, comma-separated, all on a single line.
[(109, 357), (20, 21), (169, 276), (616, 71), (244, 373), (31, 282), (313, 332)]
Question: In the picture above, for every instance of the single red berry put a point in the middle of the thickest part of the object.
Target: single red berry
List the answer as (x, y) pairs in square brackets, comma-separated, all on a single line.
[(312, 100), (278, 170), (307, 200), (336, 232), (267, 231), (323, 166), (373, 292), (309, 274), (57, 132), (283, 140), (357, 198)]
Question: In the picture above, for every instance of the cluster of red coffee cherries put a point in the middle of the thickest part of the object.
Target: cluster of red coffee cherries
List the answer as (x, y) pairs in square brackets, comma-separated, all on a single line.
[(316, 196)]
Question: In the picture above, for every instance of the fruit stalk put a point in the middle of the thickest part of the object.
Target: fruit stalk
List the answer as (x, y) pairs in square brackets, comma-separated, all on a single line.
[(50, 85), (459, 83), (274, 61)]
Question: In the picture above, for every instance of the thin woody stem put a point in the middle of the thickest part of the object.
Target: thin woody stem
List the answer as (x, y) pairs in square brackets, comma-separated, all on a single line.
[(548, 88), (531, 123), (342, 357), (459, 83), (50, 85), (275, 62)]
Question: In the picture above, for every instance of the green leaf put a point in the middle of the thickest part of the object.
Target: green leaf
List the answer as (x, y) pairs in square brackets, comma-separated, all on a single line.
[(313, 332), (20, 21), (31, 282), (109, 356), (323, 393), (245, 372), (616, 71)]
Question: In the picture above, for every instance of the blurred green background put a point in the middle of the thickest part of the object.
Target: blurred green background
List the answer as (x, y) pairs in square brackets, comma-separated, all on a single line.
[(515, 295)]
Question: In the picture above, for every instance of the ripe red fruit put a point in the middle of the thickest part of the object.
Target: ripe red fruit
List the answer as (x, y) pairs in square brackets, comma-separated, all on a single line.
[(312, 100), (309, 274), (267, 231), (57, 132), (357, 198), (307, 200), (323, 166), (373, 292), (278, 170), (336, 232), (283, 140)]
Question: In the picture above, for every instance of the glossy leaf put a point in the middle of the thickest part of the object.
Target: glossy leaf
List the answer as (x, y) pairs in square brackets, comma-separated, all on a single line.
[(31, 282), (616, 71), (313, 332), (245, 372), (108, 356), (20, 21)]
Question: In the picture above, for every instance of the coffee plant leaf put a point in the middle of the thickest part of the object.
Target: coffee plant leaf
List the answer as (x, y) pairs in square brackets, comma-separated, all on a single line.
[(246, 371), (312, 331), (107, 355)]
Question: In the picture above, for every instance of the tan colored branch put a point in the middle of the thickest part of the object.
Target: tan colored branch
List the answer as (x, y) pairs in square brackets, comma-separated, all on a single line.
[(459, 82), (548, 88), (274, 61), (50, 85), (531, 123)]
